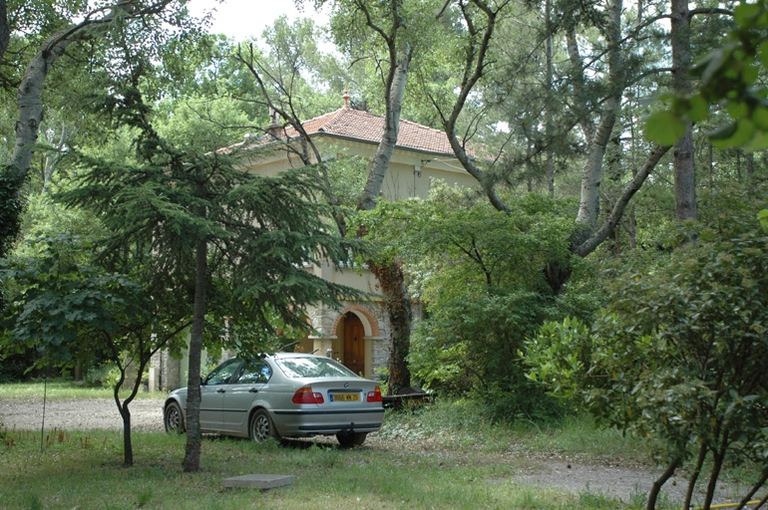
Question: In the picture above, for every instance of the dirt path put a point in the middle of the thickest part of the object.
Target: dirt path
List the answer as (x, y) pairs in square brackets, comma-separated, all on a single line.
[(611, 478)]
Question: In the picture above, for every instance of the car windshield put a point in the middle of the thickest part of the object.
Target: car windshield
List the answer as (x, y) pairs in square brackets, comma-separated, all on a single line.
[(296, 368)]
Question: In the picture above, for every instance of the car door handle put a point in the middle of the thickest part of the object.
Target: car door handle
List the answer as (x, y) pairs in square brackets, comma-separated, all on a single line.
[(221, 391), (253, 390)]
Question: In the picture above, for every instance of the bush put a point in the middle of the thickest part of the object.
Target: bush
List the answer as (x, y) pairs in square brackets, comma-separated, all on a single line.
[(472, 348), (105, 375), (678, 355), (17, 367)]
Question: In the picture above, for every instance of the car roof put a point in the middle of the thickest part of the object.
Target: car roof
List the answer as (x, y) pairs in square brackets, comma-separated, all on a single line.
[(294, 355)]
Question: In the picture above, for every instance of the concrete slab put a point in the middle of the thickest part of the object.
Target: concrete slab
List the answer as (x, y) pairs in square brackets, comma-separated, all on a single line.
[(263, 482)]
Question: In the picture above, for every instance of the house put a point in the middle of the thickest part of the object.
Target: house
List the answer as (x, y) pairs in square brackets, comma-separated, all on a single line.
[(358, 334)]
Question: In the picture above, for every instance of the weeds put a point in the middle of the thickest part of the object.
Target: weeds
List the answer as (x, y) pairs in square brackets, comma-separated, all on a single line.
[(12, 438), (144, 497)]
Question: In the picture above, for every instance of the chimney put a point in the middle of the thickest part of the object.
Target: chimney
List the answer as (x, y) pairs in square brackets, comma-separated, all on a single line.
[(274, 127), (346, 98)]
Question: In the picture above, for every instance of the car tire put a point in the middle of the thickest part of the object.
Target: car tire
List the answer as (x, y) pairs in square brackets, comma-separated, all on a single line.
[(261, 427), (351, 439), (173, 418)]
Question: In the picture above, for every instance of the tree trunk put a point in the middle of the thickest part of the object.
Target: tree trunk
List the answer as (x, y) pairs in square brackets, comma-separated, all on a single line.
[(390, 275), (718, 458), (127, 442), (694, 476), (192, 452), (549, 126), (5, 29), (51, 162), (589, 245), (685, 177), (394, 105), (589, 205), (398, 305), (756, 487), (659, 483), (125, 414)]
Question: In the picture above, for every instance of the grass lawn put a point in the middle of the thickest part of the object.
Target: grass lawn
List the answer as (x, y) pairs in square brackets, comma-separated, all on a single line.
[(443, 456), (57, 389)]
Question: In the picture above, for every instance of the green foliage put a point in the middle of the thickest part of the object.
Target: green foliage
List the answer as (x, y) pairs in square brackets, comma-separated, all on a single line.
[(174, 191), (11, 206), (106, 375), (729, 77), (347, 175), (69, 310), (478, 273), (558, 355), (677, 354)]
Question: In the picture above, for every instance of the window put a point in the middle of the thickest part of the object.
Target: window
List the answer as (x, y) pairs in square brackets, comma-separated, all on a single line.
[(256, 372), (296, 368), (223, 373)]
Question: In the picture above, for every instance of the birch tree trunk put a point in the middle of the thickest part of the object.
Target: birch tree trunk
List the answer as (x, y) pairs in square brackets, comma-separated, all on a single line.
[(394, 105)]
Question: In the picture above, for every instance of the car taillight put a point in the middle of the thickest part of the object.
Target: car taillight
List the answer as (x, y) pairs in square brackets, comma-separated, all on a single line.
[(375, 395), (306, 396)]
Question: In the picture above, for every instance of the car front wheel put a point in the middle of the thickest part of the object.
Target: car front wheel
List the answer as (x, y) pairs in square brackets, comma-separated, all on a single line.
[(173, 419), (349, 440), (261, 427)]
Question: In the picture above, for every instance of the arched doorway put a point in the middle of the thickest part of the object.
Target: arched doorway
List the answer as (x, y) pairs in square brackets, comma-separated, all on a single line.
[(354, 343)]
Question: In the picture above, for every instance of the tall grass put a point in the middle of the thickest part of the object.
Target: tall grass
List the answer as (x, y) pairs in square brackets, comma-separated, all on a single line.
[(464, 423)]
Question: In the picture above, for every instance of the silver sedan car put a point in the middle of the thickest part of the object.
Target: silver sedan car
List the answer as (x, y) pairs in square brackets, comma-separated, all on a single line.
[(283, 395)]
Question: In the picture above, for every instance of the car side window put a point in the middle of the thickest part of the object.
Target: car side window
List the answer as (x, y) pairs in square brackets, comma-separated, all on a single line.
[(255, 372), (223, 373)]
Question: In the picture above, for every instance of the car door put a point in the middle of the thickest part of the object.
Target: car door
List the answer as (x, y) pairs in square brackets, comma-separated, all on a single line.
[(212, 391), (241, 394)]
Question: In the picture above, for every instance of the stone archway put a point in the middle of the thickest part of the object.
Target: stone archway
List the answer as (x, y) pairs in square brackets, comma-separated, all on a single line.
[(370, 323), (357, 339)]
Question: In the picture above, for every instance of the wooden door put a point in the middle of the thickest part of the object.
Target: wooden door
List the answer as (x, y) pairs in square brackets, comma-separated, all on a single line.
[(354, 344)]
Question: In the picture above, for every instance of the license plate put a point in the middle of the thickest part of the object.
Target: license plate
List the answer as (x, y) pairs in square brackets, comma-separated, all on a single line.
[(345, 397)]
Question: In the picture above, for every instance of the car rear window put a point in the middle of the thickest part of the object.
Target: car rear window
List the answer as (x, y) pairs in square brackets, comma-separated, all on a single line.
[(296, 368)]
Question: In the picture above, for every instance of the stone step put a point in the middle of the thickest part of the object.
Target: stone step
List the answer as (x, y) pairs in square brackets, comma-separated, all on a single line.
[(263, 482)]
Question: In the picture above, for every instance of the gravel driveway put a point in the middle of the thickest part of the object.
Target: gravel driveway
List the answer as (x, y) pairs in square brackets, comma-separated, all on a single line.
[(97, 413), (608, 478)]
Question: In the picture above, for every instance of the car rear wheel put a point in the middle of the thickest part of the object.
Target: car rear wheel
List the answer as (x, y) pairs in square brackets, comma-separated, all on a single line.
[(261, 427), (351, 439), (173, 419)]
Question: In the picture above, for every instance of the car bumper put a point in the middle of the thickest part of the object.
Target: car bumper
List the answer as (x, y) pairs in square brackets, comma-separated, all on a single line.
[(307, 423)]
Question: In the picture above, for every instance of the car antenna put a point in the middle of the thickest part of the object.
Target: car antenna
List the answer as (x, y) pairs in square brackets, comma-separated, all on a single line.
[(281, 349)]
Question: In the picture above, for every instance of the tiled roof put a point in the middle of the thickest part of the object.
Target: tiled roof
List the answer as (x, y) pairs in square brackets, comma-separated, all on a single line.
[(361, 125)]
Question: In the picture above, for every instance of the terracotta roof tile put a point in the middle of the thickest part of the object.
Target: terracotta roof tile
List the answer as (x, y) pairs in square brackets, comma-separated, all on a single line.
[(360, 125)]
